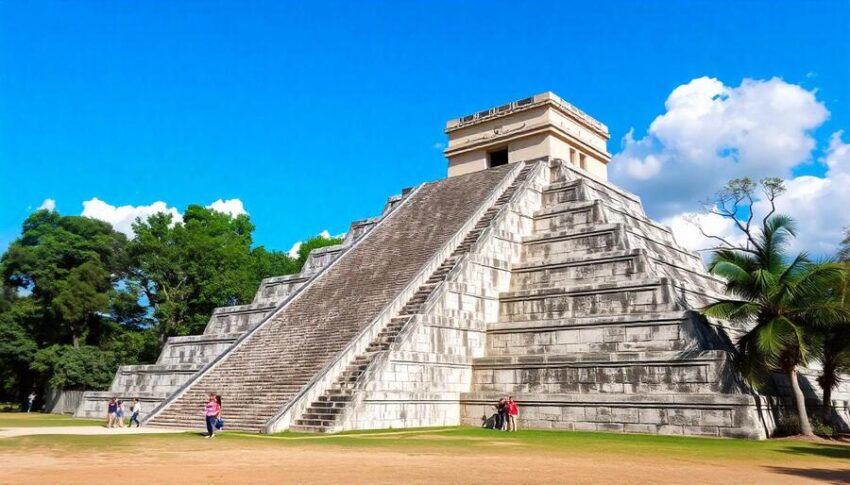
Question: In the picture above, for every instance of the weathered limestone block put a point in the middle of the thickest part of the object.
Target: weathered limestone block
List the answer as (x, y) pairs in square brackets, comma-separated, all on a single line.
[(699, 414), (569, 215), (278, 288), (321, 257), (94, 403), (361, 227), (237, 319), (625, 372), (563, 271), (587, 300), (573, 242), (153, 378), (195, 349)]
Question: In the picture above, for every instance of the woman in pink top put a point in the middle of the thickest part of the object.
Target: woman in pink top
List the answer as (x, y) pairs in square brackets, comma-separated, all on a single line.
[(212, 411), (513, 412)]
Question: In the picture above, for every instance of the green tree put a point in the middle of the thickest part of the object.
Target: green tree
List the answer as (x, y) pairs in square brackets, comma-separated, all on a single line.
[(69, 266), (184, 270), (17, 347), (778, 300), (62, 290), (69, 367)]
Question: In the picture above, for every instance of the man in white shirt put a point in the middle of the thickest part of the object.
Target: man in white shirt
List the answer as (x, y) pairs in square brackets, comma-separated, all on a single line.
[(134, 418)]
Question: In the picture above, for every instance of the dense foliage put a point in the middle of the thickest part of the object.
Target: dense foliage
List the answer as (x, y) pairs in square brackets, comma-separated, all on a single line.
[(79, 298)]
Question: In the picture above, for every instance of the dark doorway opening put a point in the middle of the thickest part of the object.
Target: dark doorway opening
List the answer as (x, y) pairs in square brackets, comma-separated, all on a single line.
[(498, 158)]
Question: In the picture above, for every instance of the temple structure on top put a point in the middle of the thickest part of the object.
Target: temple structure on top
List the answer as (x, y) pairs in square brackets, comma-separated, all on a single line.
[(524, 273), (540, 126)]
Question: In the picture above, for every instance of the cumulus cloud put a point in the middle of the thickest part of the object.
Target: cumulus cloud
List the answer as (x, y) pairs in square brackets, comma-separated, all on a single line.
[(293, 251), (712, 132), (686, 229), (233, 207), (820, 204), (48, 204), (817, 204), (122, 217)]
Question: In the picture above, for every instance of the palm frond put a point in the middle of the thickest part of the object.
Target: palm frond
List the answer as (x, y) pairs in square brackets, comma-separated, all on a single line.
[(732, 310)]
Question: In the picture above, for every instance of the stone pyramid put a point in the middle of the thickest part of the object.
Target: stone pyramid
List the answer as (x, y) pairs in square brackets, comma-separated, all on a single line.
[(524, 273)]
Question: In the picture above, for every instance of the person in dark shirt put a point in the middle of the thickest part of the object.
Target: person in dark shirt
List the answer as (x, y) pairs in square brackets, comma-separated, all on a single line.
[(502, 407), (111, 410)]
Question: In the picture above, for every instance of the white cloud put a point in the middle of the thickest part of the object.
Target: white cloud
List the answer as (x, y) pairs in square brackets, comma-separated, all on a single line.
[(818, 206), (711, 133), (233, 207), (48, 204), (293, 251), (686, 226), (122, 217)]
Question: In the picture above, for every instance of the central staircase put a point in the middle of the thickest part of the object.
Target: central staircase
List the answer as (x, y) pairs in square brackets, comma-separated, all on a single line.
[(326, 413)]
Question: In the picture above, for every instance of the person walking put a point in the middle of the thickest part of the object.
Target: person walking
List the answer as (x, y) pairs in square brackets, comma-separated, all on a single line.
[(219, 423), (513, 412), (119, 413), (111, 409), (135, 409), (30, 401), (212, 411)]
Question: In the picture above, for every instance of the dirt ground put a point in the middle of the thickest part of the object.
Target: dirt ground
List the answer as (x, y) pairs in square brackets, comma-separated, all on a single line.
[(264, 461)]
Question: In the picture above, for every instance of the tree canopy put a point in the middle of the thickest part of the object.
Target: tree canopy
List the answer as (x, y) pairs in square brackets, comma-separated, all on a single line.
[(78, 298)]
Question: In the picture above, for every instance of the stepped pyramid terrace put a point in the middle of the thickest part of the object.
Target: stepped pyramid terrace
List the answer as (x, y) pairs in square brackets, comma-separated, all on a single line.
[(524, 273)]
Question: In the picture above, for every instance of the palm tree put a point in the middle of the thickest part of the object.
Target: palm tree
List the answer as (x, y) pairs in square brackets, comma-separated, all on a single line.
[(834, 348), (777, 300)]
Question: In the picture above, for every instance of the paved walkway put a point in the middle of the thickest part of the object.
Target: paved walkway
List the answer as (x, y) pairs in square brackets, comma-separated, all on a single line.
[(82, 430)]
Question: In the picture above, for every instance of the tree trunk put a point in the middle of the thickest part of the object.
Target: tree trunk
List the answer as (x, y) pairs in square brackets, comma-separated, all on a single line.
[(163, 337), (827, 402), (800, 403)]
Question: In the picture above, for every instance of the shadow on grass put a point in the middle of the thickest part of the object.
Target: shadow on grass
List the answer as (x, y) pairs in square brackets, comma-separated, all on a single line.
[(826, 451), (829, 476)]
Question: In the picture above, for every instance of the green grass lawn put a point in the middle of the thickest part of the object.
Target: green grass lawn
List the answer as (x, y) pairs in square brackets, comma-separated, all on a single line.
[(456, 438), (452, 440), (40, 420)]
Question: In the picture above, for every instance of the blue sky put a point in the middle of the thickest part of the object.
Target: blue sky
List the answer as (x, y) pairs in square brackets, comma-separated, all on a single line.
[(311, 115)]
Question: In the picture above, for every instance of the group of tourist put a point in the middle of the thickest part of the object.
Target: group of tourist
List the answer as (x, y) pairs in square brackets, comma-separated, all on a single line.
[(115, 413), (506, 414)]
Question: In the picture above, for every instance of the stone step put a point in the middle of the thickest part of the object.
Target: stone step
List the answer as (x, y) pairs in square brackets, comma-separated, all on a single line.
[(299, 428)]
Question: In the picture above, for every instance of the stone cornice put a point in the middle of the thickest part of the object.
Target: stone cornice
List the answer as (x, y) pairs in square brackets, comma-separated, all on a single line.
[(532, 102)]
